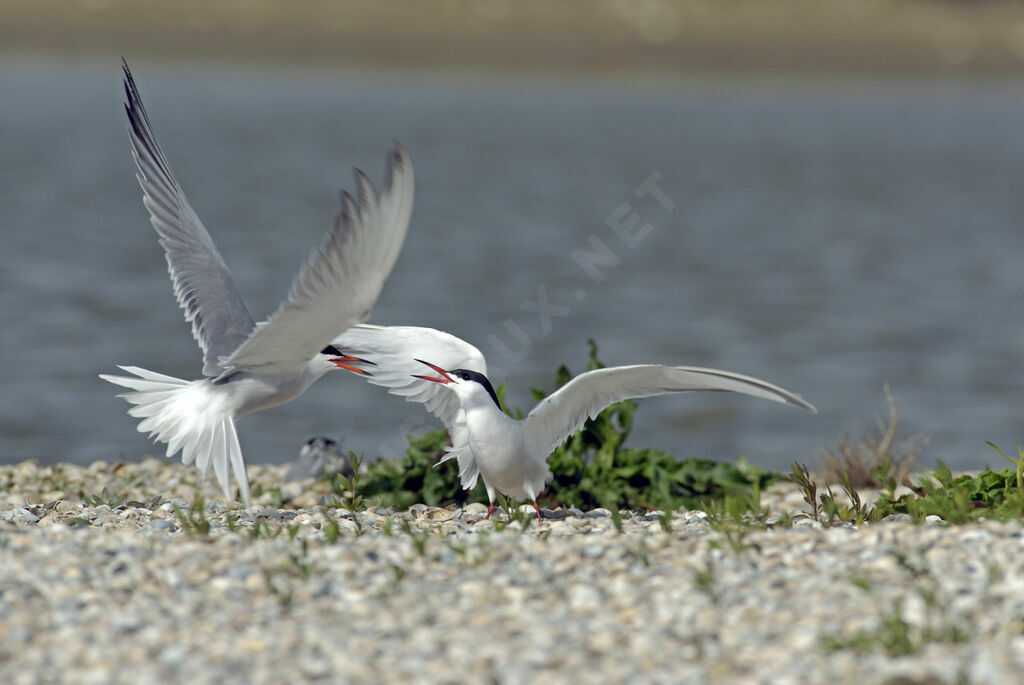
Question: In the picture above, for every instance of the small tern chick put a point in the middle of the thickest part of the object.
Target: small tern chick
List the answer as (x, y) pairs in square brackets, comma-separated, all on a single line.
[(319, 458)]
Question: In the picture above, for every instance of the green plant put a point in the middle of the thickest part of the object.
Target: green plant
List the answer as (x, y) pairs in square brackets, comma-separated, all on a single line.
[(346, 489), (105, 497), (665, 520), (704, 580), (808, 487), (856, 512), (1018, 463), (617, 520), (525, 517), (193, 520), (962, 499)]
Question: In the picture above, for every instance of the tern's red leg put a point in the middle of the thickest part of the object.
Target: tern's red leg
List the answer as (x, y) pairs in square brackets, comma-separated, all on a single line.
[(489, 512), (537, 509)]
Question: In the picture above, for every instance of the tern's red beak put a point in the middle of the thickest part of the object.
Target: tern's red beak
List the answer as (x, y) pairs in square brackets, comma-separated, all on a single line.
[(445, 378), (345, 362)]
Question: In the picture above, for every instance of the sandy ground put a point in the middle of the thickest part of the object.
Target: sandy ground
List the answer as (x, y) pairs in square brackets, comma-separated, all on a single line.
[(930, 38)]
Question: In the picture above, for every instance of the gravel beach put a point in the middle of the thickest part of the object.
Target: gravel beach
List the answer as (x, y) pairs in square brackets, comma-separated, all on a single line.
[(128, 593)]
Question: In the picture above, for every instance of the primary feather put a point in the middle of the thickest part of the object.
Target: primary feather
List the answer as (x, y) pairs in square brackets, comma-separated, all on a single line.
[(562, 413)]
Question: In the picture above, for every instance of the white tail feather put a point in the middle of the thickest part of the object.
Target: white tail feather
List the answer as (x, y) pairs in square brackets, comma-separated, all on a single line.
[(468, 469), (186, 415)]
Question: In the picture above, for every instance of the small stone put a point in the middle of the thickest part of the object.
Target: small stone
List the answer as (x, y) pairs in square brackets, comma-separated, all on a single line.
[(933, 520), (21, 515), (584, 598), (898, 518), (438, 515), (474, 509), (599, 513), (561, 529)]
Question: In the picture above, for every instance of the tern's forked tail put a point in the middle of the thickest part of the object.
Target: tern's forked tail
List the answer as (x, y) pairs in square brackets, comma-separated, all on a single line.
[(186, 415)]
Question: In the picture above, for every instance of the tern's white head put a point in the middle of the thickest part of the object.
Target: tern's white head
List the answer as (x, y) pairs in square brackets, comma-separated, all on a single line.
[(472, 387)]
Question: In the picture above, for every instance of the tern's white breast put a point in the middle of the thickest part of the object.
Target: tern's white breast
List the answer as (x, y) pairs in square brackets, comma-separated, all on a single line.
[(500, 451)]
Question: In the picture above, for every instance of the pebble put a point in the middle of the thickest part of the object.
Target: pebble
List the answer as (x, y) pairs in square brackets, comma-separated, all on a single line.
[(89, 593)]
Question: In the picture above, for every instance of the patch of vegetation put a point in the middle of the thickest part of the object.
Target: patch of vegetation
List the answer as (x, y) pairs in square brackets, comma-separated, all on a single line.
[(523, 514), (348, 495), (858, 461), (826, 505), (401, 483), (105, 497), (704, 579), (193, 519), (1018, 463), (594, 468), (963, 499)]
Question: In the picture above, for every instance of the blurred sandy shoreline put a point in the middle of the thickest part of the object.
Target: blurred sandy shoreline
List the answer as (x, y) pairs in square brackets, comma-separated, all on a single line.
[(875, 38)]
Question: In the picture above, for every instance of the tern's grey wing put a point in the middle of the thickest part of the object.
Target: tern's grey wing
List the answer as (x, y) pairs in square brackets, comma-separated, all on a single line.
[(202, 283), (563, 412), (395, 349), (340, 282)]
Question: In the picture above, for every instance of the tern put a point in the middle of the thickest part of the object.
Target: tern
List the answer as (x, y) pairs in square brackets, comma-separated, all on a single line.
[(319, 458), (510, 455), (248, 366)]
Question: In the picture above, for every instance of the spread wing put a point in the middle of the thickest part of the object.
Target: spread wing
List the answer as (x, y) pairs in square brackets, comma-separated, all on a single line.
[(340, 282), (563, 412), (395, 349), (202, 283)]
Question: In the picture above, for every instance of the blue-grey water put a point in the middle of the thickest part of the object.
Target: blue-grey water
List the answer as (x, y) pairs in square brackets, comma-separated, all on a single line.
[(827, 236)]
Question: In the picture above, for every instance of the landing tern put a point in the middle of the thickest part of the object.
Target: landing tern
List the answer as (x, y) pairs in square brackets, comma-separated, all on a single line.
[(511, 455), (250, 366)]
